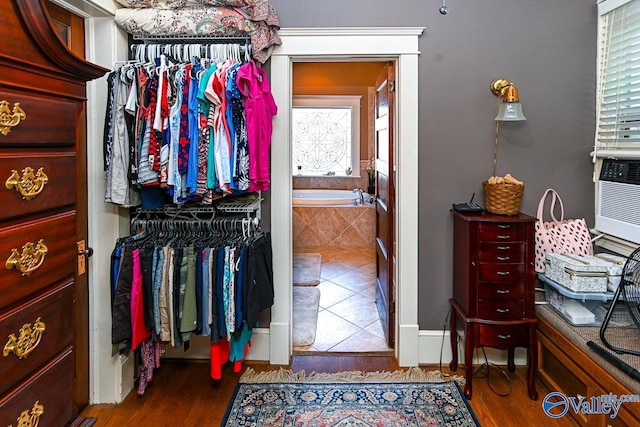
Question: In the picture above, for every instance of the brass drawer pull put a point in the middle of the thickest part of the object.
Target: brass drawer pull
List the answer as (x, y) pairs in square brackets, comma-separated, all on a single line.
[(30, 418), (30, 336), (8, 118), (30, 185), (31, 258)]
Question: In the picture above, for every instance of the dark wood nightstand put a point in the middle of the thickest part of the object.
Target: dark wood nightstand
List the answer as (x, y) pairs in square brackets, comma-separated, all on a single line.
[(494, 288)]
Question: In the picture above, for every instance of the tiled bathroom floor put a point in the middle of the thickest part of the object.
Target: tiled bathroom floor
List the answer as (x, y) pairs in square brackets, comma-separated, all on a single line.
[(348, 318)]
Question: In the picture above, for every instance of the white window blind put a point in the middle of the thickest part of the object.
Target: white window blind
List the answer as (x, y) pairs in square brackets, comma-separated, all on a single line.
[(618, 106)]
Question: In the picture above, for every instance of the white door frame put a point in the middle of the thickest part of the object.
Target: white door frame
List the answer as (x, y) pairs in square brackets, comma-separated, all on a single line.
[(322, 44)]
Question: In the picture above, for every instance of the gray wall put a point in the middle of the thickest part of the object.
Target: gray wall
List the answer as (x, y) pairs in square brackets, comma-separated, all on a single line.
[(547, 47)]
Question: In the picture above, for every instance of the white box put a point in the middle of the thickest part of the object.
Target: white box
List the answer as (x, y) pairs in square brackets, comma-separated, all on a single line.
[(580, 273), (614, 269)]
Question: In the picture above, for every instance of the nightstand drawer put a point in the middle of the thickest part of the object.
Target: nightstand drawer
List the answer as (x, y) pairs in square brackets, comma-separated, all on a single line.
[(47, 319), (501, 310), (502, 337), (501, 232), (512, 252), (507, 291), (501, 272)]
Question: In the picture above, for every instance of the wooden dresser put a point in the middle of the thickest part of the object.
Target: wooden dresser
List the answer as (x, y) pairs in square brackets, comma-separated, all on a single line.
[(494, 288), (43, 285)]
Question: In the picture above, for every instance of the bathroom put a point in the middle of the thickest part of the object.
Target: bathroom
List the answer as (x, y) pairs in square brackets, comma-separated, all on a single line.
[(333, 211)]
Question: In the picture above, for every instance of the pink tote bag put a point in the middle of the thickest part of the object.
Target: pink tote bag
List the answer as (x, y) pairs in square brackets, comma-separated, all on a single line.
[(569, 236)]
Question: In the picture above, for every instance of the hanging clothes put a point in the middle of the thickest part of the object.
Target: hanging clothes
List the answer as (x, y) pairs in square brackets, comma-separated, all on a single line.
[(178, 132), (170, 285)]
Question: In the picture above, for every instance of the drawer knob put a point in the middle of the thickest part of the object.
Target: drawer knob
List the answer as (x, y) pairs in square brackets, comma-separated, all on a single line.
[(30, 260), (10, 118), (30, 185), (30, 336), (30, 418)]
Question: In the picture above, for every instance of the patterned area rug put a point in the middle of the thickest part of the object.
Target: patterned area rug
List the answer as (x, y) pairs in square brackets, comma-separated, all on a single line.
[(349, 399)]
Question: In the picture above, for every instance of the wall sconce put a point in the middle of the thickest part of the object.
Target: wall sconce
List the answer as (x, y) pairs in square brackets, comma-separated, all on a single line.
[(510, 109)]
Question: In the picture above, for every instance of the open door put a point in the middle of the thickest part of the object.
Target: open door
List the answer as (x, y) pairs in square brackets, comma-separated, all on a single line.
[(385, 201)]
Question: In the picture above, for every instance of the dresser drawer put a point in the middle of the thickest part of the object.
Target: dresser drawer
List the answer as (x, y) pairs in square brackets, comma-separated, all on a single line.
[(54, 311), (501, 291), (500, 272), (501, 232), (502, 337), (47, 121), (47, 393), (512, 252), (501, 310), (49, 184), (48, 244)]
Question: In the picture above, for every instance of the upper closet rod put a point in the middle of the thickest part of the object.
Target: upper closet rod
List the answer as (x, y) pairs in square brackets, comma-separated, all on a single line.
[(187, 38)]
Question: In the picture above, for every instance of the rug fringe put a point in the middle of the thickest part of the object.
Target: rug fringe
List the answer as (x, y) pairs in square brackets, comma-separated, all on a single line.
[(413, 374)]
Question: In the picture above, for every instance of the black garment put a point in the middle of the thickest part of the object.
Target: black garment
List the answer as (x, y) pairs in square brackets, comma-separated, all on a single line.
[(258, 286), (121, 310), (108, 121), (199, 285)]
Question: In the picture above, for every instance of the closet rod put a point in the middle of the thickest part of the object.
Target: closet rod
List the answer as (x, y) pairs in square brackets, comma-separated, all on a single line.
[(174, 210), (182, 38)]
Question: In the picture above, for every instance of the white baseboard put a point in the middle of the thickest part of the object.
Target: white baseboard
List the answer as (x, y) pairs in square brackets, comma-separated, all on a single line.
[(432, 348), (435, 347)]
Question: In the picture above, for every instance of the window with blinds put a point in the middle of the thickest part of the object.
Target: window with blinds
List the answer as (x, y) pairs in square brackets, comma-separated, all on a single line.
[(618, 103)]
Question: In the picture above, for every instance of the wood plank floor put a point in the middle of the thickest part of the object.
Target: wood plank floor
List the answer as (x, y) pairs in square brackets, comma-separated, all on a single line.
[(182, 394)]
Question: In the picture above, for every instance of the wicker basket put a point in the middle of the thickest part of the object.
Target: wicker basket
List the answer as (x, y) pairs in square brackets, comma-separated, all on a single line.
[(502, 199)]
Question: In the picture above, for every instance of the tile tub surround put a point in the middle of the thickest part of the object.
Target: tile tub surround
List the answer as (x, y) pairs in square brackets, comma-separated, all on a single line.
[(340, 226)]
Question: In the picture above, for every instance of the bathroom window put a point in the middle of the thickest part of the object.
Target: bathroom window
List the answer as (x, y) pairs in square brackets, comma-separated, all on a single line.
[(326, 135)]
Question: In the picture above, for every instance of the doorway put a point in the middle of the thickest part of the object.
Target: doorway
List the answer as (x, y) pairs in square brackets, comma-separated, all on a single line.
[(325, 44), (333, 213)]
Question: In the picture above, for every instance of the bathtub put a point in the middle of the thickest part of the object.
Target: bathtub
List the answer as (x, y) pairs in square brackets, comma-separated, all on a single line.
[(325, 197), (331, 218)]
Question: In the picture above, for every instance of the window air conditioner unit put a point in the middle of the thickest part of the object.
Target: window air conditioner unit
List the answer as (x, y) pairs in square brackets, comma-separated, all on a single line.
[(618, 199)]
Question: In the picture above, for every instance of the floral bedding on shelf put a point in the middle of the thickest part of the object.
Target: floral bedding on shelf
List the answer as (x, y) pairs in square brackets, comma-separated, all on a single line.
[(230, 18), (257, 10)]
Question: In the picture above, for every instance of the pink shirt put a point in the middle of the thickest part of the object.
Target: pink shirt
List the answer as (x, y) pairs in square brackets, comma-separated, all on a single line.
[(260, 108)]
